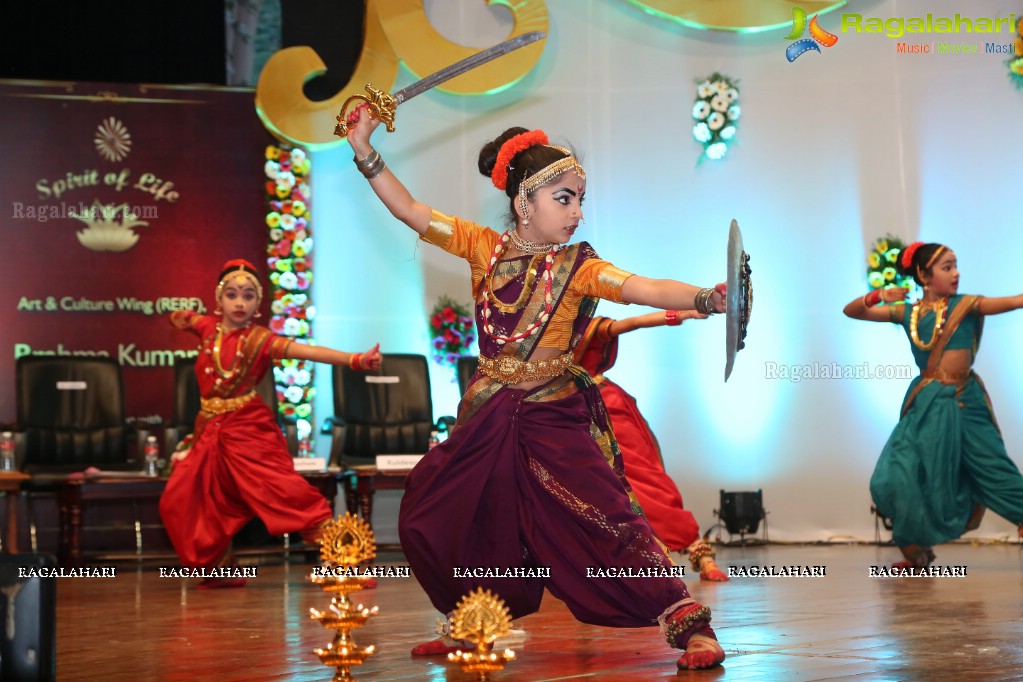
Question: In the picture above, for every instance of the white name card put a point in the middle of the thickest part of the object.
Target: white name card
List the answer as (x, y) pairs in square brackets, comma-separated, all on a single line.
[(397, 462), (310, 463), (375, 379), (71, 385)]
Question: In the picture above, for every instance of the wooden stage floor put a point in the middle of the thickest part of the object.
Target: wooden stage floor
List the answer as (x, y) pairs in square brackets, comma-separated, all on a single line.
[(843, 626)]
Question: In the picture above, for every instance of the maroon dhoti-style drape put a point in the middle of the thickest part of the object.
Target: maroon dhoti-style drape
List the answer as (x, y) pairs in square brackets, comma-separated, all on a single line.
[(524, 484)]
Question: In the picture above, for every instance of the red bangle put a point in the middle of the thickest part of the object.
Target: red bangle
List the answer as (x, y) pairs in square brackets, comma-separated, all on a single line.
[(672, 318), (355, 361), (872, 299)]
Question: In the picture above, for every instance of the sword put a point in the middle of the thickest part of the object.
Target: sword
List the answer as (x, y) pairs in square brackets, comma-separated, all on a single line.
[(383, 104)]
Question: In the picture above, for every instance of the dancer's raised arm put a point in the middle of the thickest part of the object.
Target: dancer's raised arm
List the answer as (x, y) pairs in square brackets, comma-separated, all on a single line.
[(394, 195)]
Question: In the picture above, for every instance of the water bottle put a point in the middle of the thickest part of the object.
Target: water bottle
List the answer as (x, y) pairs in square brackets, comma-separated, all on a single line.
[(7, 451), (434, 440), (152, 455)]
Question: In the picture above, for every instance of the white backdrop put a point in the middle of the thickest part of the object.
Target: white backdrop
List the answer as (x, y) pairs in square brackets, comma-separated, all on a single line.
[(833, 150)]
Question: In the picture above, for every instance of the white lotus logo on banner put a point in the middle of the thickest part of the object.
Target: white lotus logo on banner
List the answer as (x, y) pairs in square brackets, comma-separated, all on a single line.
[(104, 232), (113, 141)]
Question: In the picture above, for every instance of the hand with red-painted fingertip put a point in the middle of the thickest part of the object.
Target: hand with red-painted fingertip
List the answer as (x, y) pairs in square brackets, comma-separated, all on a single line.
[(362, 123)]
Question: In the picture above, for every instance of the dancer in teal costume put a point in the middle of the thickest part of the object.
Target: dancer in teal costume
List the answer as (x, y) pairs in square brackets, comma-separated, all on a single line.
[(945, 462)]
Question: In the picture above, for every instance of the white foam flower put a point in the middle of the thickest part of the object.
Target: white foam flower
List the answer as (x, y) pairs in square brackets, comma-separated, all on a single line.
[(271, 168), (733, 112), (297, 156), (292, 327), (277, 307), (303, 377), (701, 132), (290, 374), (299, 299), (716, 150), (287, 280), (303, 428), (719, 103), (715, 121), (727, 133), (310, 312), (721, 86), (285, 180), (293, 394), (276, 234), (287, 221), (732, 94), (700, 110), (705, 89)]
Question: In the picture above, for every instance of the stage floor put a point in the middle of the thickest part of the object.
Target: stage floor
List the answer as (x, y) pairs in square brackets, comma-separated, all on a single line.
[(845, 625)]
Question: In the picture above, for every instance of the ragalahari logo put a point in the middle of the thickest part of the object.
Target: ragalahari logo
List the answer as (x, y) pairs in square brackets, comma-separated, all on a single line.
[(817, 35)]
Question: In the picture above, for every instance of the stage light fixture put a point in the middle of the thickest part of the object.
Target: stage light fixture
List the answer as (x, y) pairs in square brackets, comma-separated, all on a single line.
[(742, 512)]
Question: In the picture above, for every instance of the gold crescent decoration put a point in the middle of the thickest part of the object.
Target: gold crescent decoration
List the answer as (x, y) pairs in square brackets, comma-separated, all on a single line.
[(294, 118), (738, 16), (424, 51)]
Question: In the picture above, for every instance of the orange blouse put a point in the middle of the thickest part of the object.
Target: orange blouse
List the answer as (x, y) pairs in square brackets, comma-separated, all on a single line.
[(595, 278)]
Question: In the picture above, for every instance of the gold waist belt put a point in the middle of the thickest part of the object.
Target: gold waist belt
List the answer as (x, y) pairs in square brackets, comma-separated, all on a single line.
[(946, 377), (509, 370), (217, 406)]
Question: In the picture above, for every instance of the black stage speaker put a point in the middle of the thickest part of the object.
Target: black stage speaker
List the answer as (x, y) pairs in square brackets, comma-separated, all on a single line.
[(742, 512), (28, 619)]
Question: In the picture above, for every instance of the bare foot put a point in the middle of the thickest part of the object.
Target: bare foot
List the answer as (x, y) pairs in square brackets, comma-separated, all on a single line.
[(711, 571), (701, 652)]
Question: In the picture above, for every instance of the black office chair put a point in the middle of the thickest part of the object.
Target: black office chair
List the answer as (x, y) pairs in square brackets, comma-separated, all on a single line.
[(71, 415), (465, 370), (385, 412)]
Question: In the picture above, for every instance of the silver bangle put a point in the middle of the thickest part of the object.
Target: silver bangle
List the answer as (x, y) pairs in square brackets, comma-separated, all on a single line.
[(372, 166), (702, 302)]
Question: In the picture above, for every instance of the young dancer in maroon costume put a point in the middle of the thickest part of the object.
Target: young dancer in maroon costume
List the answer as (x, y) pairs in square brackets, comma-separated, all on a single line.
[(523, 486)]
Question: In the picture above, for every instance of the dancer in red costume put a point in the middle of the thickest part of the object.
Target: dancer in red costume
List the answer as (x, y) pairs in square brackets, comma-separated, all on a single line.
[(656, 493), (236, 466)]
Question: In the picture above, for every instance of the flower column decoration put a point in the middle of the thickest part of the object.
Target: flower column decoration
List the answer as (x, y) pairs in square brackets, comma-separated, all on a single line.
[(716, 112), (881, 270), (289, 257), (1015, 63)]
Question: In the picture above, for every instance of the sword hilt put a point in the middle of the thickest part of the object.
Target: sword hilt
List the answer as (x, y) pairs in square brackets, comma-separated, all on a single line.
[(382, 104)]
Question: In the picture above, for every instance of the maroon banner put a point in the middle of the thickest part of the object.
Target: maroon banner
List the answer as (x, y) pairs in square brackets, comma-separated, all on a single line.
[(118, 204)]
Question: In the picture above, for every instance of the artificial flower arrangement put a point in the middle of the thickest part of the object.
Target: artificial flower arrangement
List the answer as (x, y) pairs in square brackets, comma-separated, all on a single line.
[(881, 270), (289, 257), (716, 112), (1015, 62), (453, 331)]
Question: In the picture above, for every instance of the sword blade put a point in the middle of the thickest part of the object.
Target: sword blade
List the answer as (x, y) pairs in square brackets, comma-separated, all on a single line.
[(467, 64)]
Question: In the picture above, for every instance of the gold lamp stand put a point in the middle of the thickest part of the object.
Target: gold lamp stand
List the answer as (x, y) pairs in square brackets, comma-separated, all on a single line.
[(346, 542), (481, 618)]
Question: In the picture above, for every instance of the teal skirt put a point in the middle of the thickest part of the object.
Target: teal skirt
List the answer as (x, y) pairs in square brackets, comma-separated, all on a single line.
[(945, 456)]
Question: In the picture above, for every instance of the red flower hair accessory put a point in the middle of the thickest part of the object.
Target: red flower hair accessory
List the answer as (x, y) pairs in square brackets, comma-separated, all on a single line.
[(907, 254), (509, 149), (238, 263)]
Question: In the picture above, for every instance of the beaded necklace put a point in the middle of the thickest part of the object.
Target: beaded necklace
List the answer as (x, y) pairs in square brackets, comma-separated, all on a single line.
[(488, 326), (939, 321)]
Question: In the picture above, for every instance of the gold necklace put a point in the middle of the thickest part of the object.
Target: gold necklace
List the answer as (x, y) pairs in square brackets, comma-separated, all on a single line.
[(939, 321), (527, 289), (217, 365)]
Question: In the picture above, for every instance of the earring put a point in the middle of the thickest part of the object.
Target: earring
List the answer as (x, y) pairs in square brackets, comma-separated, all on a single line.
[(525, 223), (257, 314), (218, 311)]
